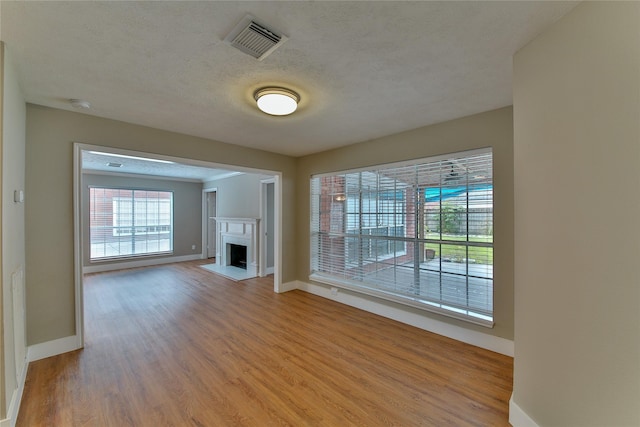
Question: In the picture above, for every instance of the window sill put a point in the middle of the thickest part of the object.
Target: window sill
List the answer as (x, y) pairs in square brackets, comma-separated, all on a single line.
[(436, 308), (129, 257)]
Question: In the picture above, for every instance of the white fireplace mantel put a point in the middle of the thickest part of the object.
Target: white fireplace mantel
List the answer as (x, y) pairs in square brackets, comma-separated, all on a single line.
[(238, 231)]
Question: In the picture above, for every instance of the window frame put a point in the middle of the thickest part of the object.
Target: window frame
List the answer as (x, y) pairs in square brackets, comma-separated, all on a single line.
[(467, 313), (112, 216)]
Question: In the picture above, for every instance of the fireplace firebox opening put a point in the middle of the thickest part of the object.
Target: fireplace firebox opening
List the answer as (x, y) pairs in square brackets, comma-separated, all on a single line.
[(238, 256)]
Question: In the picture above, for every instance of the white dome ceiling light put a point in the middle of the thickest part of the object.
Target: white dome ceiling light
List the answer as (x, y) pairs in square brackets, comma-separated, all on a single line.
[(277, 101)]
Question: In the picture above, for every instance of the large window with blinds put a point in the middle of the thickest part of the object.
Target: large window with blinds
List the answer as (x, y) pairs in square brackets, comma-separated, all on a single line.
[(129, 222), (418, 233)]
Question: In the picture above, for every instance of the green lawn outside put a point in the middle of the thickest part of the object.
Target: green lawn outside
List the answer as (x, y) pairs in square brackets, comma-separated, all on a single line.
[(457, 253)]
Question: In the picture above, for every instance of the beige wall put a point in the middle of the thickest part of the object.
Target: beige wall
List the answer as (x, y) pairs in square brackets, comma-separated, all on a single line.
[(492, 129), (49, 205), (238, 196), (3, 346), (13, 215), (187, 210), (577, 206)]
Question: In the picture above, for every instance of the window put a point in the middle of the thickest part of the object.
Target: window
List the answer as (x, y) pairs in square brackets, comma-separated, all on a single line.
[(127, 223), (419, 233)]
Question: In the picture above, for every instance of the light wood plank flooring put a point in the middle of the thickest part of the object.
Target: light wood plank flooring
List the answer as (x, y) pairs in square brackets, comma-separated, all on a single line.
[(177, 345)]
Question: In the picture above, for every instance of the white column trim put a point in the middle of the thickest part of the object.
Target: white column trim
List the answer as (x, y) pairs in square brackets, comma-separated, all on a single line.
[(517, 417), (16, 399)]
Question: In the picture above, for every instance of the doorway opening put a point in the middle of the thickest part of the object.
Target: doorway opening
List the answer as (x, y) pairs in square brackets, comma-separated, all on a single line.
[(211, 200), (267, 214), (205, 246)]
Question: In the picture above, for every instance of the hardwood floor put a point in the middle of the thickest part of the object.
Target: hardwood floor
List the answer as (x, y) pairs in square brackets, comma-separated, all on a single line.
[(176, 345)]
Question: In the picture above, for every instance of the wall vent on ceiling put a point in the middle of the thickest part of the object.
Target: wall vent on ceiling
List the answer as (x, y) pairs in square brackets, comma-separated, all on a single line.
[(255, 39), (114, 165)]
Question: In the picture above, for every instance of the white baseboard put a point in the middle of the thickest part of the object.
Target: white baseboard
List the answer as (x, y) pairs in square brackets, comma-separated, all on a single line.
[(53, 348), (16, 399), (289, 286), (396, 312), (142, 262), (519, 418), (36, 352)]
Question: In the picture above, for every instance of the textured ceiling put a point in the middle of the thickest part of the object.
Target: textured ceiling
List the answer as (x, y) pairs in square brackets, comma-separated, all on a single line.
[(363, 69), (101, 162)]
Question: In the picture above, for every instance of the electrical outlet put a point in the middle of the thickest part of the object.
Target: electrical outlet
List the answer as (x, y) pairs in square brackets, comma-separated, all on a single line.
[(334, 291), (193, 247)]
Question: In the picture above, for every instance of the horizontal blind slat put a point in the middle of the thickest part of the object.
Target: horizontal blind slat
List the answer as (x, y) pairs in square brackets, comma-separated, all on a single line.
[(419, 231)]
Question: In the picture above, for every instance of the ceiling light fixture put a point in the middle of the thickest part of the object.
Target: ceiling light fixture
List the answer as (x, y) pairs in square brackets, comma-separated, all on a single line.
[(277, 101)]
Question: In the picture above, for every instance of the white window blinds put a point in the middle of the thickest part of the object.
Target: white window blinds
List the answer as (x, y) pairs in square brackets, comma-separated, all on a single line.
[(419, 233), (126, 222)]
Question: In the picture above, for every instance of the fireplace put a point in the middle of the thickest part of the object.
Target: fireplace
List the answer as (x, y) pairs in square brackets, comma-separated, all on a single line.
[(238, 256), (238, 243)]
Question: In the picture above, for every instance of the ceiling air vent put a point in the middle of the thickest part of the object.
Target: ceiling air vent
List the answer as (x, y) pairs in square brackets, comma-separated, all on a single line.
[(254, 39), (114, 165)]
